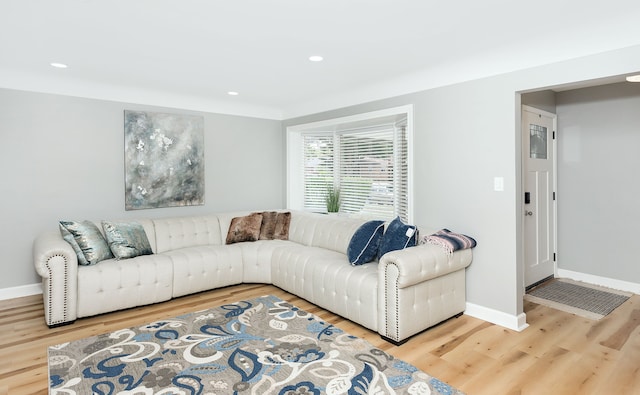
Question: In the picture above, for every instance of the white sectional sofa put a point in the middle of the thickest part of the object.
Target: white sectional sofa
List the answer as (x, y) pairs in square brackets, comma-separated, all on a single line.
[(404, 293)]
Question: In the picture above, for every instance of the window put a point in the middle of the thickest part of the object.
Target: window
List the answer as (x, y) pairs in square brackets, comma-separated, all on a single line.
[(318, 169), (367, 159)]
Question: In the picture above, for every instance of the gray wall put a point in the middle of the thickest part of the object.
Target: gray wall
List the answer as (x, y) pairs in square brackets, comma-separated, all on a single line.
[(598, 182), (542, 100), (63, 158)]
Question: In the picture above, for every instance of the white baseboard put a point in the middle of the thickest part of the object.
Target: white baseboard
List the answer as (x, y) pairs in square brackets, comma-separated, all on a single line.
[(598, 280), (509, 321), (18, 292)]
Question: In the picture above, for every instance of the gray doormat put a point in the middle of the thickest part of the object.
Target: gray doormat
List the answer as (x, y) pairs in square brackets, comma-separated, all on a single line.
[(586, 300)]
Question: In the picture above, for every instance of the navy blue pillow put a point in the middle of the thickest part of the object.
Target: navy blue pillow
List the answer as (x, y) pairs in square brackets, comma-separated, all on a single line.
[(363, 246), (397, 237)]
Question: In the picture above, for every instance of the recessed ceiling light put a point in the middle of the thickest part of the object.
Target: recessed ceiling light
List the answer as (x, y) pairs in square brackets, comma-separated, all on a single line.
[(316, 58), (634, 78), (59, 65), (232, 93)]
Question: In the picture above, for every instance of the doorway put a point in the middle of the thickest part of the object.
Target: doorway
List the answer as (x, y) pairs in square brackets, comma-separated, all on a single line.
[(539, 201)]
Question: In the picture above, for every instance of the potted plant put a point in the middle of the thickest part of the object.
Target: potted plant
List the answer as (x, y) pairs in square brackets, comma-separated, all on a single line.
[(333, 199)]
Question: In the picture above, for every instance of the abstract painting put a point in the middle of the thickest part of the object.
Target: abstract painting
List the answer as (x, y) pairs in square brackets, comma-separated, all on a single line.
[(164, 160)]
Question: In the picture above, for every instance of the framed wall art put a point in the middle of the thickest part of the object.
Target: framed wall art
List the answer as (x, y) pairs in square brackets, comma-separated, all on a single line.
[(164, 160)]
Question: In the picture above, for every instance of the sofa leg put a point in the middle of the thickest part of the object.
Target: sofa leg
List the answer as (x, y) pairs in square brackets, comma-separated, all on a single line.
[(394, 342), (401, 342), (59, 324)]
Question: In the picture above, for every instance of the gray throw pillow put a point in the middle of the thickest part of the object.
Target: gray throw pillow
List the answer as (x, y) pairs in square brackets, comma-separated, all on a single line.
[(86, 240), (126, 239)]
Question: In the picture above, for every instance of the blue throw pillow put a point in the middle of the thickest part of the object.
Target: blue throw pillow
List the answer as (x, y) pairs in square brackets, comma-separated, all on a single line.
[(397, 237), (363, 246)]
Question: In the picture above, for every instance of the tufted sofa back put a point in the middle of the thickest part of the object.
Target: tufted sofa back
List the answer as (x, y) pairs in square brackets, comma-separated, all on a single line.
[(321, 230), (310, 229), (182, 232)]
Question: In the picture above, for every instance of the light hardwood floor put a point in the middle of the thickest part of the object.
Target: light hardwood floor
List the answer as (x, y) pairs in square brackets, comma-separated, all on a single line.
[(558, 353)]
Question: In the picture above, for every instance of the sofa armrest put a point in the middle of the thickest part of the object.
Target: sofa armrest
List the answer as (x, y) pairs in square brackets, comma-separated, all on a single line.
[(424, 262), (418, 288), (56, 262)]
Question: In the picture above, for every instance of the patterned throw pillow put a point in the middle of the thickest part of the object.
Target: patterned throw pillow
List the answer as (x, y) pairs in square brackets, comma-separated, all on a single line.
[(86, 240), (69, 238), (397, 237), (245, 228), (364, 243), (126, 239)]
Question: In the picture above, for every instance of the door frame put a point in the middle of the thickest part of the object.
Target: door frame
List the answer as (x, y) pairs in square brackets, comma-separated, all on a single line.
[(523, 179)]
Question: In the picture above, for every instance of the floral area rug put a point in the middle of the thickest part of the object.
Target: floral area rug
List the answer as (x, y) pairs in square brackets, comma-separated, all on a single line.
[(259, 346)]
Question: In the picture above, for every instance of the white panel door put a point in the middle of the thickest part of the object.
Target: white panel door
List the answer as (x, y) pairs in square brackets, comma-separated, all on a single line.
[(538, 132)]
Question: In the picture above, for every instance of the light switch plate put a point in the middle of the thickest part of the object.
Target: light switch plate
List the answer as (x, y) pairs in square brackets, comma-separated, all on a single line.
[(498, 184)]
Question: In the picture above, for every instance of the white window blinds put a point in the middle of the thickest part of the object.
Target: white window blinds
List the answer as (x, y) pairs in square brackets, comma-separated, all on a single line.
[(368, 165), (318, 169)]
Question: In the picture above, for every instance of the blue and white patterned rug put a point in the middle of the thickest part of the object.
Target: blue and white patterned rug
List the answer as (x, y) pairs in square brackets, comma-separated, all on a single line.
[(260, 346)]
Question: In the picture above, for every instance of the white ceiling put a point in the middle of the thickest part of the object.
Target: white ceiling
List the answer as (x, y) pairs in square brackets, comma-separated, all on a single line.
[(190, 53)]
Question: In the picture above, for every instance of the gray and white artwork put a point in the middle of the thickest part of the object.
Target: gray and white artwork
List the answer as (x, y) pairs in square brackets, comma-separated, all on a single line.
[(164, 160)]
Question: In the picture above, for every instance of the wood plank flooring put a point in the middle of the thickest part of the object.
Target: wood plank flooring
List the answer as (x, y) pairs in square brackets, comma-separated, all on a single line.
[(559, 353)]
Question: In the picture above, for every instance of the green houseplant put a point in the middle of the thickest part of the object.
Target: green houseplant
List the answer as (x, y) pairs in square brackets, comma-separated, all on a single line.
[(333, 199)]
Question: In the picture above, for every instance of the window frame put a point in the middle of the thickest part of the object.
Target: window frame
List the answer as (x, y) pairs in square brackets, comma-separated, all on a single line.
[(295, 140)]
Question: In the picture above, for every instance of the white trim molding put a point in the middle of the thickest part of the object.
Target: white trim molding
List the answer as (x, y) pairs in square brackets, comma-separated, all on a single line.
[(18, 292), (601, 281), (513, 322)]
